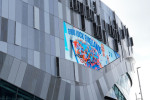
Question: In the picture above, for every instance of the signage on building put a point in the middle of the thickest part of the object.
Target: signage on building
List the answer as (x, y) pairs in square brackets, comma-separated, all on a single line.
[(86, 50)]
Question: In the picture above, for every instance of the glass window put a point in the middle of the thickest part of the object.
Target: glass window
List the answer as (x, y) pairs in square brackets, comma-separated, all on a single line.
[(118, 93), (7, 91), (11, 92), (22, 95)]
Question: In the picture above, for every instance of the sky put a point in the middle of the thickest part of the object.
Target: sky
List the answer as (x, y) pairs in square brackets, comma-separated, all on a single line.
[(135, 14)]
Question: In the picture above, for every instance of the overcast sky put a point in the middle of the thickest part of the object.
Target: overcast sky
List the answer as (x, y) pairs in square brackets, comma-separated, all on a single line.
[(135, 14)]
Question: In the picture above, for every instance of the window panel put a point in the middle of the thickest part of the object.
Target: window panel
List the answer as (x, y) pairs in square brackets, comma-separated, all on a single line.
[(51, 6), (18, 52), (24, 54), (57, 47), (56, 8), (56, 26), (25, 13), (30, 38), (18, 34), (3, 47), (24, 36), (48, 63), (46, 5), (0, 8), (36, 18), (36, 40), (11, 31), (37, 59), (30, 57), (11, 49), (42, 26), (37, 3), (4, 29), (47, 22), (18, 11), (12, 9), (47, 44), (5, 8), (30, 15)]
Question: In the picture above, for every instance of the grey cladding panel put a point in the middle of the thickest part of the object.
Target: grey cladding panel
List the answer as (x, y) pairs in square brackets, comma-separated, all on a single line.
[(101, 83), (51, 6), (93, 92), (11, 31), (76, 82), (77, 93), (67, 92), (19, 11), (55, 7), (86, 94), (45, 86), (62, 90), (42, 25), (98, 90), (25, 13), (14, 71), (37, 3), (39, 83), (2, 59), (24, 36), (6, 67), (82, 93), (56, 89), (51, 88), (72, 92), (62, 48), (52, 30), (53, 49), (30, 79), (30, 15), (20, 74)]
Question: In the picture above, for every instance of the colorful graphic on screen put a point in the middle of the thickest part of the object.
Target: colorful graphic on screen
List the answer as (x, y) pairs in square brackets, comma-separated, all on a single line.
[(86, 50)]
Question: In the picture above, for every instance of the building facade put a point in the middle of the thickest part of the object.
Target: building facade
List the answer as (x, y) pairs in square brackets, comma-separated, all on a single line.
[(63, 50)]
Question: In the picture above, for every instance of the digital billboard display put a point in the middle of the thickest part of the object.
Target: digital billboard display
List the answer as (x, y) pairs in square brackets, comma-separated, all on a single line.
[(86, 50)]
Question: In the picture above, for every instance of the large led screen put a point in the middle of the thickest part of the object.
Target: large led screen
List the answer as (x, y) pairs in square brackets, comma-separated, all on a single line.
[(86, 50)]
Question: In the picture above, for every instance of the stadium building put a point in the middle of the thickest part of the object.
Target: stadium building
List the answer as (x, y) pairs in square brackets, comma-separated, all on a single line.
[(63, 50)]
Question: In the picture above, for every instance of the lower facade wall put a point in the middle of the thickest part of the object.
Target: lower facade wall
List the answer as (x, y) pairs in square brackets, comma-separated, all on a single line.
[(83, 84)]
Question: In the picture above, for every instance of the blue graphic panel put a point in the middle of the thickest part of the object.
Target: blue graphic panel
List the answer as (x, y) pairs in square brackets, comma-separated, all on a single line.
[(86, 50)]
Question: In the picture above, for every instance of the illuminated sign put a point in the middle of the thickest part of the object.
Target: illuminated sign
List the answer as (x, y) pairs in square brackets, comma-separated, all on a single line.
[(86, 50)]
